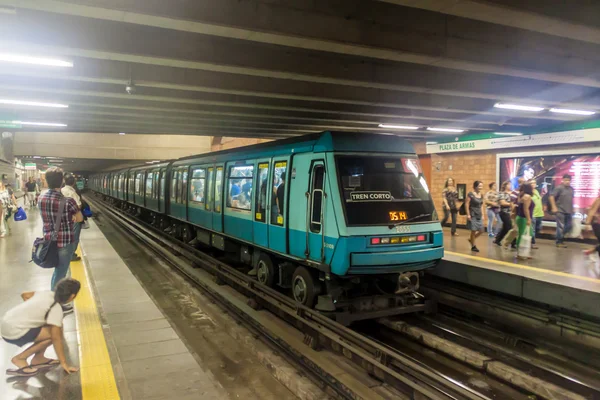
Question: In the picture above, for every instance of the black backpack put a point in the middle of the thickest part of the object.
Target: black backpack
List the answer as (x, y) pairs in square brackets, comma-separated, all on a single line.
[(45, 252)]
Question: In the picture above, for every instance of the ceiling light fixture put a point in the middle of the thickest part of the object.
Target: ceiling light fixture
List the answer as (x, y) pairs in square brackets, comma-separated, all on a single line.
[(571, 111), (431, 142), (152, 162), (518, 107), (22, 59), (407, 127), (39, 123), (449, 130), (508, 133), (8, 10), (121, 133), (37, 157), (32, 103)]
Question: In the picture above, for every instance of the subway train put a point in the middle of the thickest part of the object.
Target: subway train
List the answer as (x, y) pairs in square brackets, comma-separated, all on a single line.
[(344, 220)]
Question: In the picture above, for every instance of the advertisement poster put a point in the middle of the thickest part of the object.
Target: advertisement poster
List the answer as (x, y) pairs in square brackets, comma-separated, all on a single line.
[(548, 172)]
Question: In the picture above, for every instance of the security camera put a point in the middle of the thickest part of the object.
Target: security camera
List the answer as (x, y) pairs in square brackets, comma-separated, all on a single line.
[(130, 88)]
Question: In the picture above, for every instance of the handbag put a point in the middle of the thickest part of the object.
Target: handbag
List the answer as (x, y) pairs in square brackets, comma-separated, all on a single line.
[(463, 209), (20, 215), (45, 252)]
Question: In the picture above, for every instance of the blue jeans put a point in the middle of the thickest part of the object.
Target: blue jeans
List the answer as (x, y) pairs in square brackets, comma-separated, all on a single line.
[(537, 227), (563, 226), (77, 232), (493, 215), (62, 269)]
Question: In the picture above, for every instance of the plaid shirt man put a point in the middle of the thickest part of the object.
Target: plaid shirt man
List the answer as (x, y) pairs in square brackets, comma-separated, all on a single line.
[(48, 204)]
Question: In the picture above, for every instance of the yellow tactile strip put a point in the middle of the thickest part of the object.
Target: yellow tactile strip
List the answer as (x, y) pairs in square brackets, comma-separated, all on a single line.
[(96, 372)]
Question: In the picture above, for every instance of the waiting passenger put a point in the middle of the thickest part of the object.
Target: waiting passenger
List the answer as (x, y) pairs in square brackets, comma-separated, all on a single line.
[(474, 208), (38, 320), (449, 198), (561, 203), (538, 212), (69, 191), (5, 203), (505, 210), (524, 216), (49, 204), (32, 190), (281, 195), (491, 203)]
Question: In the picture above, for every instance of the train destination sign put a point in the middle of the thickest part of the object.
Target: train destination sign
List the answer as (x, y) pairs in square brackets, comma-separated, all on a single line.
[(371, 196)]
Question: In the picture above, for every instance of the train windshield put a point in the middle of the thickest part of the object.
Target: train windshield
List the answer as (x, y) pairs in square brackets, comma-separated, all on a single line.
[(383, 190)]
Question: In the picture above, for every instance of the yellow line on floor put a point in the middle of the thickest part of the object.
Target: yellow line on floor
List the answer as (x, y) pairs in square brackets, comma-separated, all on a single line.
[(96, 372), (513, 265)]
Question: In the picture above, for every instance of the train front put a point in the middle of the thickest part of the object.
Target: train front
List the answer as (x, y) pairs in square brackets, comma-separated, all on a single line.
[(389, 229)]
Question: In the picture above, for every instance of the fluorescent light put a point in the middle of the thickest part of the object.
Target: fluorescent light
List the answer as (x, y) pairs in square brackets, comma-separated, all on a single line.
[(508, 133), (121, 133), (518, 107), (451, 130), (8, 10), (571, 111), (408, 127), (22, 59), (152, 162), (431, 143), (39, 123), (32, 103), (37, 157)]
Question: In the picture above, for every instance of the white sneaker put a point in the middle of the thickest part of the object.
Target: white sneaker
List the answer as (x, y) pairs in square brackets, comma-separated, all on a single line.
[(86, 225)]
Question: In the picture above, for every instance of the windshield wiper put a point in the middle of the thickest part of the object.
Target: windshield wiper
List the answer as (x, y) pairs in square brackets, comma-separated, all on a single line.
[(392, 226)]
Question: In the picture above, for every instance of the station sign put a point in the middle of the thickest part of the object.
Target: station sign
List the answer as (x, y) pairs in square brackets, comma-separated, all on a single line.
[(5, 123), (30, 166), (545, 139)]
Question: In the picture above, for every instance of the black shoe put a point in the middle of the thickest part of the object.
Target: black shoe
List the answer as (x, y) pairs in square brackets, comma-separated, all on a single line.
[(497, 243), (513, 246), (475, 249), (75, 257), (67, 308)]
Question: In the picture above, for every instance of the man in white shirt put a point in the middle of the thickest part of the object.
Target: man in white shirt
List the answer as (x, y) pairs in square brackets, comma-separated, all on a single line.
[(69, 191), (39, 320)]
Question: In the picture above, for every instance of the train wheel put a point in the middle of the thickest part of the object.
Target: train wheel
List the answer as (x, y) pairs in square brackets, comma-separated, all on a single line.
[(265, 271), (305, 287)]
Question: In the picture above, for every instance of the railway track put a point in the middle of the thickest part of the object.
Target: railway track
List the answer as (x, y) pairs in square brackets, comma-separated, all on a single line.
[(404, 365)]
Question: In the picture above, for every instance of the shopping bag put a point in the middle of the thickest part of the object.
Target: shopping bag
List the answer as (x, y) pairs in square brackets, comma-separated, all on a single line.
[(575, 232), (510, 236), (20, 215), (524, 249)]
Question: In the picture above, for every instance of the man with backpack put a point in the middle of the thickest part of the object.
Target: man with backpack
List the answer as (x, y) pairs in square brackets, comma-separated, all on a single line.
[(38, 320), (63, 212)]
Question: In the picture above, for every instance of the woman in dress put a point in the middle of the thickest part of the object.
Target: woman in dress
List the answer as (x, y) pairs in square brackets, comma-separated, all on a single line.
[(474, 207), (450, 197), (525, 206)]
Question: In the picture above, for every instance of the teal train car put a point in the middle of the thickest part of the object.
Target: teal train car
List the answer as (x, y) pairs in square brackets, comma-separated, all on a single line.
[(345, 221)]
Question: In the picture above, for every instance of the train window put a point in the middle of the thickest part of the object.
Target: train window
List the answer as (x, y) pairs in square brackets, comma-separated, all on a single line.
[(174, 179), (278, 197), (240, 187), (131, 184), (161, 193), (262, 193), (120, 183), (197, 186), (317, 198), (209, 189), (218, 189), (184, 180), (149, 181), (139, 184), (155, 184)]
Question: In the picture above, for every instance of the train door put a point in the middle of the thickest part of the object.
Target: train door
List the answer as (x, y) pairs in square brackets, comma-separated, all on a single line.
[(278, 217), (262, 199), (161, 190), (198, 196), (316, 213), (217, 214)]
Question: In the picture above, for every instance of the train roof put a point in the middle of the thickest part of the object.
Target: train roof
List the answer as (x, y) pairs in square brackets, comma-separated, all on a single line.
[(316, 142)]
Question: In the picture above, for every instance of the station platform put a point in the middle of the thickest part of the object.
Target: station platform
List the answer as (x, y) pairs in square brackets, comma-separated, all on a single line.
[(561, 277), (125, 346)]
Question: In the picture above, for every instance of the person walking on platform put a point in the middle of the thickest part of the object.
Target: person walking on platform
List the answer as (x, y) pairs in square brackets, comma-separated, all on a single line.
[(561, 203), (32, 191), (593, 219), (505, 209), (538, 212), (491, 204), (39, 320), (5, 202), (449, 198), (69, 191), (524, 220), (474, 208), (49, 204)]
